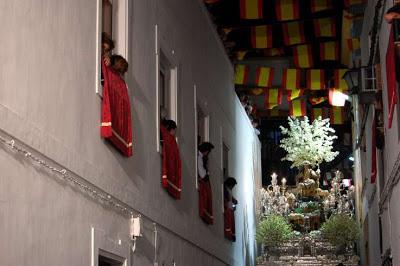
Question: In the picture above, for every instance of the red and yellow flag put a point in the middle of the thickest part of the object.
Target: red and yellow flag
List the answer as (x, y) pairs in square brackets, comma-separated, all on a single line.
[(293, 33), (273, 98), (241, 74), (274, 52), (261, 36), (353, 44), (297, 107), (291, 79), (317, 100), (340, 83), (251, 9), (320, 5), (302, 56), (318, 112), (329, 51), (349, 3), (293, 94), (325, 27), (264, 76), (287, 10), (240, 55), (337, 115), (315, 79)]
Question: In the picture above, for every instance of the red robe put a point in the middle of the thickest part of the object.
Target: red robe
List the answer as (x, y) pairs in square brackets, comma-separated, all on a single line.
[(116, 122), (171, 165), (205, 201)]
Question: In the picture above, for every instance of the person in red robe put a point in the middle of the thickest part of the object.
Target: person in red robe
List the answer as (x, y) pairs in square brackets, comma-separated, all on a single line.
[(229, 208), (205, 195), (171, 160), (116, 122)]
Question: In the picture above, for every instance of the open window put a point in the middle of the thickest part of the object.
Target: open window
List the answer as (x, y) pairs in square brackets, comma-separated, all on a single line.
[(225, 169), (112, 18), (108, 259), (167, 86)]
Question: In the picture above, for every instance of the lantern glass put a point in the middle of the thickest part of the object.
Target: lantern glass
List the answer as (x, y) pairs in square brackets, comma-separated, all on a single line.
[(351, 77)]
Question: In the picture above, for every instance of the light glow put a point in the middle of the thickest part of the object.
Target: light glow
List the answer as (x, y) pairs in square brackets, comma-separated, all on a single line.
[(337, 98)]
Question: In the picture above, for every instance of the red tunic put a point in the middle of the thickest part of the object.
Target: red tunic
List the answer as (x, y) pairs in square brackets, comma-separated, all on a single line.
[(116, 122), (205, 201), (171, 164)]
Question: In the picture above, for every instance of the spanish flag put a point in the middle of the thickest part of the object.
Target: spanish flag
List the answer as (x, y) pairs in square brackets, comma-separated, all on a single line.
[(241, 74), (318, 112), (337, 115), (273, 98), (261, 36), (353, 44), (320, 5), (302, 56), (325, 27), (349, 3), (293, 94), (317, 100), (315, 79), (274, 52), (291, 79), (251, 9), (287, 10), (329, 51), (297, 107), (264, 76), (293, 33), (340, 83)]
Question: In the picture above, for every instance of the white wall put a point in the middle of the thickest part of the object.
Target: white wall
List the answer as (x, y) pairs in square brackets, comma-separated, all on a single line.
[(48, 102)]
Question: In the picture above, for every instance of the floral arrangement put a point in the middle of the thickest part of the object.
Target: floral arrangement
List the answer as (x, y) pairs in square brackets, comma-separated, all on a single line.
[(308, 143)]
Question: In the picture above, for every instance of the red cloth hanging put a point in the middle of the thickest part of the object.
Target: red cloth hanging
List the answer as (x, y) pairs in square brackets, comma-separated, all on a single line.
[(229, 224), (116, 122), (373, 151), (391, 77), (205, 201), (171, 164)]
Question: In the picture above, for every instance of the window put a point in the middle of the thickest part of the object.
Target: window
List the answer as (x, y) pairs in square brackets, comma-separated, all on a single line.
[(203, 126), (112, 18), (225, 170), (166, 84), (109, 260)]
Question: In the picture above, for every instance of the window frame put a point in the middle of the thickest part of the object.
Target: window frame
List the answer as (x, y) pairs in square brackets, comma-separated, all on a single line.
[(168, 62), (104, 245), (120, 34)]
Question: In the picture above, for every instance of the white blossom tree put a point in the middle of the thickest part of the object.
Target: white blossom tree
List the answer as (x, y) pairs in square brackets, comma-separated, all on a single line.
[(308, 144)]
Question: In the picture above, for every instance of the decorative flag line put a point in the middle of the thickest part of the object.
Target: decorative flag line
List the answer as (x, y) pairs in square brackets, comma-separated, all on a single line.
[(287, 10), (293, 94), (241, 74), (302, 56), (251, 9), (264, 76), (273, 98), (297, 107), (315, 79), (291, 79), (320, 5), (261, 36), (329, 51), (340, 83), (325, 27), (293, 33)]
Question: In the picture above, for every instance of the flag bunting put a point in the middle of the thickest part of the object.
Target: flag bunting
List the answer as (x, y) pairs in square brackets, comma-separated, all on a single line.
[(241, 74), (287, 10), (320, 5), (315, 79), (325, 27), (329, 51), (261, 36), (273, 98), (291, 79), (303, 56), (293, 33), (293, 94), (337, 115), (251, 9), (297, 107), (264, 76)]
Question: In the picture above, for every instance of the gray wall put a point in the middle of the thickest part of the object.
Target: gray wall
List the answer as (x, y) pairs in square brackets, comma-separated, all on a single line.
[(48, 103)]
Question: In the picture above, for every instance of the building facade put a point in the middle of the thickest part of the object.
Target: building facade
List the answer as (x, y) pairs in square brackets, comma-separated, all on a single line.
[(377, 178), (66, 194)]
